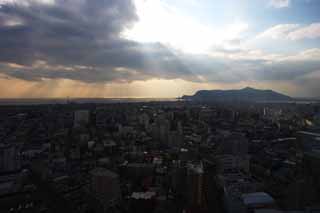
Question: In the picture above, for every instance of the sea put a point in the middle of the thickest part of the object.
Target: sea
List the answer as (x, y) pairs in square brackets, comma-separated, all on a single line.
[(46, 101), (49, 101)]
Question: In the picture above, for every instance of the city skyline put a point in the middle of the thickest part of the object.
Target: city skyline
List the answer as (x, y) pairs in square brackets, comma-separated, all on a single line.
[(153, 48)]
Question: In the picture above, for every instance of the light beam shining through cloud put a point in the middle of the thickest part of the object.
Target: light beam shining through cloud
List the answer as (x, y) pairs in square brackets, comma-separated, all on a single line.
[(158, 22), (157, 48)]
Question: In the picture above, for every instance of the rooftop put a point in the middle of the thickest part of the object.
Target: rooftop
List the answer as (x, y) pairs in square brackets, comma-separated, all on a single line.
[(257, 198), (314, 134), (103, 172), (143, 195)]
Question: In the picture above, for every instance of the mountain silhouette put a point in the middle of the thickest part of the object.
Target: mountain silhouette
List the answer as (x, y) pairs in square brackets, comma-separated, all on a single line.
[(246, 94)]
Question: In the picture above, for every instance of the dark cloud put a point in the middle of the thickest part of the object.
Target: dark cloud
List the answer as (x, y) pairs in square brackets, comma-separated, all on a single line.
[(68, 29), (287, 70), (82, 33), (81, 40), (309, 84)]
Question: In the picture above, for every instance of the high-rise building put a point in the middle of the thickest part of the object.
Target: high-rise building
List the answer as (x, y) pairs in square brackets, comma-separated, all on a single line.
[(235, 144), (233, 163), (81, 117), (311, 170), (144, 120), (9, 158), (212, 192), (175, 139), (308, 141), (105, 187), (195, 185)]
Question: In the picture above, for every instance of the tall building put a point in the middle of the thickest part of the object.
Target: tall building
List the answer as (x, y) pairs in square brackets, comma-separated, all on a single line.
[(195, 185), (235, 144), (212, 192), (311, 187), (105, 187), (308, 141), (175, 139), (160, 130), (233, 163), (144, 120), (179, 178), (81, 117), (9, 158)]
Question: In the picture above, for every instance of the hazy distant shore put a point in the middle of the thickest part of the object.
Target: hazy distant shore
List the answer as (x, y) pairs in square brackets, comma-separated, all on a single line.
[(49, 101), (44, 101)]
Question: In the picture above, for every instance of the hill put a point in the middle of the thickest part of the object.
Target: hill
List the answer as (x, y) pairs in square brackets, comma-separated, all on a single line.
[(247, 94)]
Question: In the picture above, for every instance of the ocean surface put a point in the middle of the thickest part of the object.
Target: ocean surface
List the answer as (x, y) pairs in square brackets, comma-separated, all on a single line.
[(44, 101)]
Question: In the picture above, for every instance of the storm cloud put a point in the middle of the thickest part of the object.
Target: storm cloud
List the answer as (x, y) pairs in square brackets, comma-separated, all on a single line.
[(81, 40)]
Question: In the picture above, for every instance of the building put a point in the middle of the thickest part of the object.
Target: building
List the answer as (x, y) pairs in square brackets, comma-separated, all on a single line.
[(311, 173), (175, 139), (9, 158), (308, 141), (258, 200), (144, 120), (142, 202), (195, 185), (234, 185), (234, 144), (138, 171), (233, 162), (105, 187), (81, 118)]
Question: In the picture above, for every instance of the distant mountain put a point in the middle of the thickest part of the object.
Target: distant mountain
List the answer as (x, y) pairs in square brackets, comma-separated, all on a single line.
[(247, 94)]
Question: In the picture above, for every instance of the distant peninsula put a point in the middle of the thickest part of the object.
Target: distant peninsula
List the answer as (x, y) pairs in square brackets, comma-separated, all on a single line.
[(246, 94)]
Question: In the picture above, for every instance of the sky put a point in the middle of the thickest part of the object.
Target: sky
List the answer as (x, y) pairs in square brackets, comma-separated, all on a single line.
[(157, 48)]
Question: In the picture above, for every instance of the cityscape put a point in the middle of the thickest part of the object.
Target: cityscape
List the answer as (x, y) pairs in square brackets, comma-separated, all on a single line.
[(164, 156), (159, 106)]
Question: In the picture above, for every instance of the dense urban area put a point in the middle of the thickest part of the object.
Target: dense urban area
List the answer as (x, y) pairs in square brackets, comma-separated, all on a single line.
[(175, 157)]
